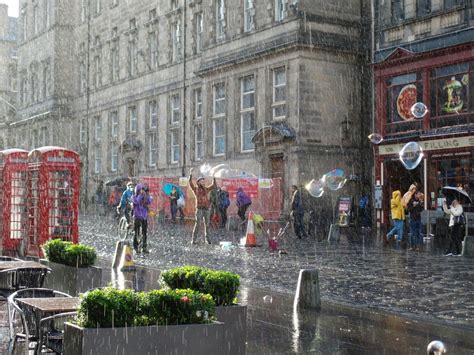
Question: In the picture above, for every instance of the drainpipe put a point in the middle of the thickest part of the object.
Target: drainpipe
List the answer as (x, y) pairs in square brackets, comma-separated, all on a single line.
[(86, 155), (183, 169)]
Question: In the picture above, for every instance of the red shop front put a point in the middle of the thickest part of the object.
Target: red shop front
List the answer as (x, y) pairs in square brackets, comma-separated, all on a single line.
[(444, 81), (53, 196)]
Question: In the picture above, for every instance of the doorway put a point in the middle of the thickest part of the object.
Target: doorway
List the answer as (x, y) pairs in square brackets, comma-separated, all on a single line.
[(277, 166)]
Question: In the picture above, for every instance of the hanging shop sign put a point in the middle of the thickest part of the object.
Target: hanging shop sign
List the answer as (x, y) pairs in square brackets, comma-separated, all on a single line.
[(435, 144)]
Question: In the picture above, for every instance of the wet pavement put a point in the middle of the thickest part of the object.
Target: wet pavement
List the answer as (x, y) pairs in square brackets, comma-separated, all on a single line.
[(418, 285)]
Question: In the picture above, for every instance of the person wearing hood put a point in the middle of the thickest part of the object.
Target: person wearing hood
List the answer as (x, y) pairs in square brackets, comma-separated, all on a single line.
[(201, 194), (125, 202), (243, 202), (456, 226), (141, 202), (398, 216)]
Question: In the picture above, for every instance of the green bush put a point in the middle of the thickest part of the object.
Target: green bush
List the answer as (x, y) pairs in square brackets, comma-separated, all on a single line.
[(223, 286), (67, 253), (109, 307)]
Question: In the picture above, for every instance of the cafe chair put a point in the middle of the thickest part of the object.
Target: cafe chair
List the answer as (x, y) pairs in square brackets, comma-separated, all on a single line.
[(29, 332), (18, 278), (51, 331)]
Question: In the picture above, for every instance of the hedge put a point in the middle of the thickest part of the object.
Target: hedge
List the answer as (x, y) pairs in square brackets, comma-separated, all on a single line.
[(67, 253)]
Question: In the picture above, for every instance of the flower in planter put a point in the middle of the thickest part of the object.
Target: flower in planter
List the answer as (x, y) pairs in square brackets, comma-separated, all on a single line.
[(185, 299)]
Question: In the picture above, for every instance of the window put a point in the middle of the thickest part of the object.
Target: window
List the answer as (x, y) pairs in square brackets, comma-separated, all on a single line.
[(153, 50), (114, 62), (97, 160), (198, 104), (34, 85), (398, 10), (220, 19), (198, 145), (152, 14), (152, 142), (113, 3), (83, 11), (82, 131), (24, 90), (24, 20), (423, 7), (35, 20), (97, 71), (199, 31), (247, 113), (46, 12), (174, 146), (402, 92), (34, 139), (175, 108), (97, 129), (280, 10), (98, 7), (152, 114), (114, 124), (452, 3), (114, 156), (174, 4), (82, 78), (279, 93), (44, 136), (132, 119), (249, 12), (176, 41), (452, 91), (218, 127), (46, 80), (132, 57)]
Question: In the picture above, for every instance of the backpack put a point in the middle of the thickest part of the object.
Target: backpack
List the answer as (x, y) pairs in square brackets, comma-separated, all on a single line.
[(224, 201), (363, 202)]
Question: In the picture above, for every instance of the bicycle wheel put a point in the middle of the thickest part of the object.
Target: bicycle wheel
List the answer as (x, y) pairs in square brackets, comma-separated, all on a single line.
[(123, 229)]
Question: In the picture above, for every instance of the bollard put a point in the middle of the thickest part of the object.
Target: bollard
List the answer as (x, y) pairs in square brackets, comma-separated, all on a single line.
[(468, 246), (307, 291), (436, 347)]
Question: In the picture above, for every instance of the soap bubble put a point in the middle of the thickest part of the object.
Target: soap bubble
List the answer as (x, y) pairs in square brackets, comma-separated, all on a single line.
[(334, 180), (205, 169), (375, 138), (267, 299), (419, 110), (411, 155), (315, 188)]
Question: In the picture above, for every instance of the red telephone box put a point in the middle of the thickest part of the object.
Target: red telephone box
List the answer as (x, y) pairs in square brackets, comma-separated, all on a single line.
[(13, 197), (53, 196)]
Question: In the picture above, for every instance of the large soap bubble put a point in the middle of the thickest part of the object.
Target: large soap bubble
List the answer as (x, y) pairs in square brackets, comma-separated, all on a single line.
[(205, 169), (375, 138), (419, 110), (334, 180), (411, 155), (315, 188)]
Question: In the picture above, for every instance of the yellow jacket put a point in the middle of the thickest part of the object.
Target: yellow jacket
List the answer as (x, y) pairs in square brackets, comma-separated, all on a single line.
[(398, 212)]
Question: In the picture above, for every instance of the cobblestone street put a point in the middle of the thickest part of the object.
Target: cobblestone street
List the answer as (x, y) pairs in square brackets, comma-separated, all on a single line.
[(421, 285)]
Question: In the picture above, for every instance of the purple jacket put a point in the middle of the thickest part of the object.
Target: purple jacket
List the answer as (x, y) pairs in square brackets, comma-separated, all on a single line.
[(242, 198), (140, 205)]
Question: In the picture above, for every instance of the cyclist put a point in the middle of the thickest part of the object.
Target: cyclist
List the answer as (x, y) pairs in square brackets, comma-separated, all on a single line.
[(141, 202), (126, 203)]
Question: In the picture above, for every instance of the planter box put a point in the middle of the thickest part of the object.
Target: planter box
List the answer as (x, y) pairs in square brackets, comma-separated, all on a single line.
[(195, 339), (72, 280), (235, 328)]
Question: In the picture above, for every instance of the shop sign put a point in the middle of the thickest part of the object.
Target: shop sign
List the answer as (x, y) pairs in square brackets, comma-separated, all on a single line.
[(435, 144), (250, 186)]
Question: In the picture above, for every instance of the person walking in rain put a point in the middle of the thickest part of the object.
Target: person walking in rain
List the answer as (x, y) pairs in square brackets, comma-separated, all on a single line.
[(297, 212), (214, 205), (243, 202), (125, 202), (398, 216), (223, 204), (456, 226), (415, 206), (201, 194), (174, 196), (141, 202)]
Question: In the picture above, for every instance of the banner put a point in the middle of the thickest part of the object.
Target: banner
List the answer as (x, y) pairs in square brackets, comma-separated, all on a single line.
[(250, 186), (265, 183)]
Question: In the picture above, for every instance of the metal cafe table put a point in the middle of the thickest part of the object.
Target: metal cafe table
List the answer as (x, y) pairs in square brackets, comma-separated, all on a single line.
[(41, 308)]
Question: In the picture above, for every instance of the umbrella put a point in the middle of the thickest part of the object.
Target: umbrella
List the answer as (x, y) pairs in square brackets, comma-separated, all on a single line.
[(117, 181), (456, 193), (168, 187)]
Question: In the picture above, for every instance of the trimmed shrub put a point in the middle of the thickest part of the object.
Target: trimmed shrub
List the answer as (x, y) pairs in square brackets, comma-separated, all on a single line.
[(223, 286), (67, 253), (109, 307)]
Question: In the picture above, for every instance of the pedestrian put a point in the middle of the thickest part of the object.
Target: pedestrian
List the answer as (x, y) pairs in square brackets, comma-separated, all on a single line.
[(408, 195), (243, 202), (201, 194), (141, 203), (456, 226), (297, 212), (214, 208), (174, 196), (125, 204), (398, 216), (223, 203), (100, 197), (181, 203), (364, 212), (415, 206)]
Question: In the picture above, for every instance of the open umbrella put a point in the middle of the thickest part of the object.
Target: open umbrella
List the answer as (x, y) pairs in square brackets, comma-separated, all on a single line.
[(168, 187), (117, 181), (457, 193)]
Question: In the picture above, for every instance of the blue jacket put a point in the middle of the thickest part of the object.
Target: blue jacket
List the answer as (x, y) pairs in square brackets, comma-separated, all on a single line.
[(126, 198)]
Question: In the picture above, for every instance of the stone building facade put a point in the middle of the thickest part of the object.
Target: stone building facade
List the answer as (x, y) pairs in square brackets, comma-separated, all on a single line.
[(274, 87), (424, 52), (8, 70)]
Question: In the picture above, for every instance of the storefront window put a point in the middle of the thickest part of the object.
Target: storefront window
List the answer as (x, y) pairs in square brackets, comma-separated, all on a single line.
[(403, 92)]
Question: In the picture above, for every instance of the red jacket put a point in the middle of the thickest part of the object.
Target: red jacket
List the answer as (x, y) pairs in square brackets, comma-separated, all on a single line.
[(202, 193)]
